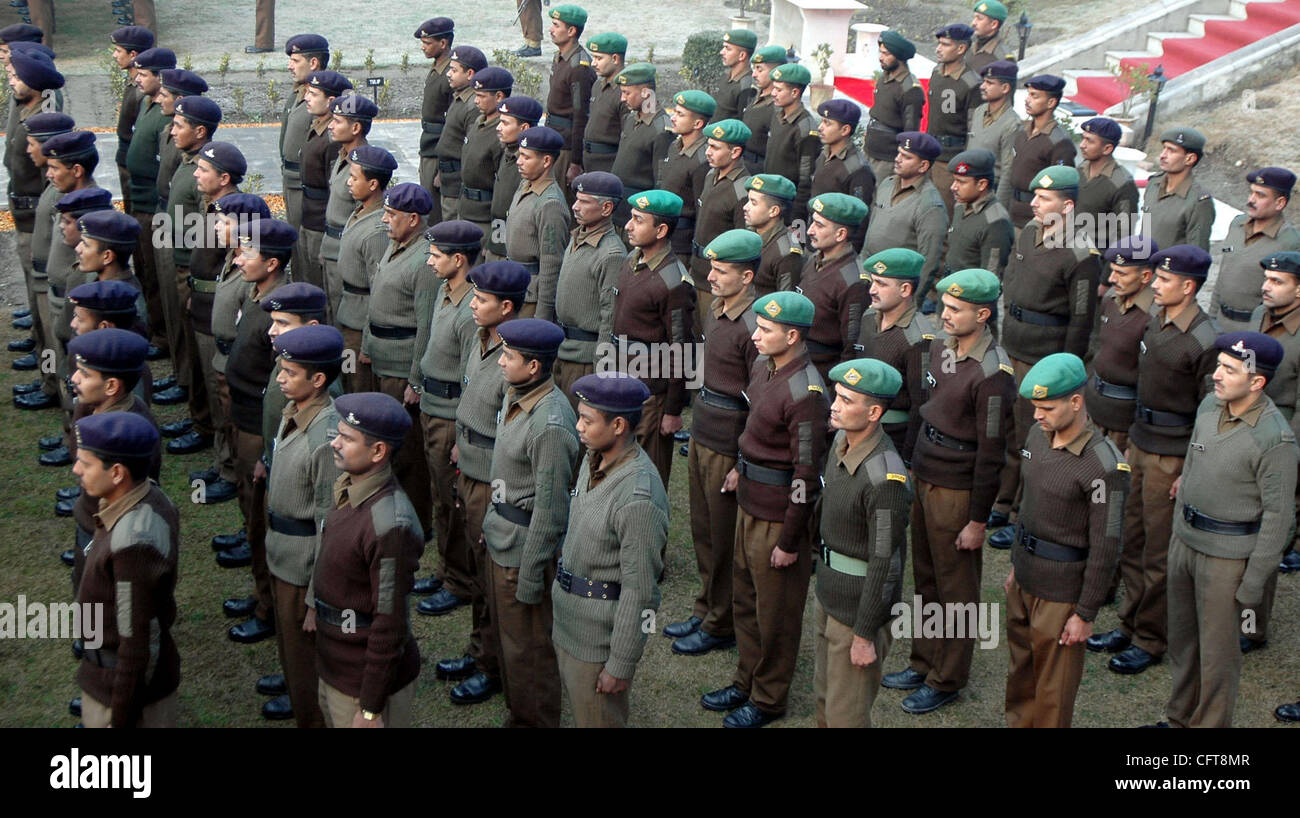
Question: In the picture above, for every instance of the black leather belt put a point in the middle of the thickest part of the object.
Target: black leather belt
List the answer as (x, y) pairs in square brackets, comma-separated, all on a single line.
[(222, 346), (557, 122), (514, 514), (600, 148), (877, 125), (334, 231), (293, 167), (477, 439), (432, 128), (1049, 550), (590, 588), (1155, 417), (475, 194), (1228, 312), (103, 657), (449, 165), (330, 615), (627, 340), (952, 141), (753, 156), (722, 401), (1114, 390), (449, 390), (355, 290), (1022, 195), (23, 202), (39, 265), (762, 474), (533, 267), (579, 334), (316, 194), (938, 438), (291, 527), (1035, 317), (392, 333), (1215, 526), (57, 291), (818, 348)]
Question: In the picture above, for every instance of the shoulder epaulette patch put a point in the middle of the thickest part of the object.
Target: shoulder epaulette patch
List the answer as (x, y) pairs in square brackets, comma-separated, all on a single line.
[(1007, 369), (900, 478), (813, 387), (1123, 467)]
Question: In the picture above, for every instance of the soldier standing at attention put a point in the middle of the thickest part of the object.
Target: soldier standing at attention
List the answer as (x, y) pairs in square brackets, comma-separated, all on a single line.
[(718, 419), (898, 103), (738, 89), (530, 21), (1259, 232), (307, 53), (1066, 546), (994, 123), (518, 114), (349, 124), (128, 42), (792, 139), (959, 452), (1234, 518), (572, 79), (465, 60), (644, 125), (867, 492), (480, 159), (361, 247), (682, 167), (987, 24), (318, 154), (722, 200), (538, 220), (832, 280), (776, 479), (954, 92), (370, 548), (143, 163), (981, 234), (908, 211), (605, 109), (1107, 191), (436, 36), (1181, 211), (1041, 143), (757, 115), (606, 579), (841, 167), (768, 199), (1175, 363)]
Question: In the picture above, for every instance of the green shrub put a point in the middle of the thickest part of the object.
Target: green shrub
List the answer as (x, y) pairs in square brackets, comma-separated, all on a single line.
[(701, 63), (528, 80)]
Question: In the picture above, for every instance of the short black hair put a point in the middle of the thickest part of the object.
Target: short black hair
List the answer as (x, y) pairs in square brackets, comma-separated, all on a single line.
[(671, 221), (322, 56), (88, 162), (633, 418), (471, 254), (545, 362), (120, 320), (129, 379), (381, 176), (137, 467), (121, 252), (330, 371)]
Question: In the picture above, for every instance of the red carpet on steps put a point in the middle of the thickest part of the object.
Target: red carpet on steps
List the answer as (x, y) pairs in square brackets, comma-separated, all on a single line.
[(864, 92), (1182, 54)]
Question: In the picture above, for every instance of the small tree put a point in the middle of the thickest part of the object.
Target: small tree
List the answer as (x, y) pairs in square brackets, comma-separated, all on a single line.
[(1138, 84), (701, 62)]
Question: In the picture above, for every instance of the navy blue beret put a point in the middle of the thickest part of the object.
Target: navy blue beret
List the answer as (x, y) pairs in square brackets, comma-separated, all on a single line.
[(921, 144), (841, 110), (1280, 179), (312, 344), (435, 27), (409, 198), (532, 336), (455, 234), (958, 32), (374, 414), (70, 145), (133, 38), (355, 106), (236, 204), (610, 391), (1046, 82), (331, 82), (494, 79), (32, 49), (268, 235), (524, 109), (37, 73), (470, 57), (112, 351), (306, 44), (297, 298), (599, 183), (225, 157), (85, 200), (1002, 70), (1184, 260), (21, 32), (199, 110), (1287, 261), (501, 278), (155, 59), (183, 83), (1107, 129), (42, 126), (110, 227), (976, 162), (1253, 347), (105, 296), (1132, 251), (542, 140), (373, 157), (114, 435)]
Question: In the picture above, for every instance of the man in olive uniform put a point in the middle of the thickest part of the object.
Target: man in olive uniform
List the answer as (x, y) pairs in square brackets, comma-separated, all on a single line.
[(768, 199), (907, 210), (832, 280), (605, 108), (464, 61), (142, 162), (436, 36), (530, 22), (1066, 547), (538, 221), (128, 42), (307, 53), (757, 116), (863, 530), (981, 234), (1108, 196), (988, 46), (954, 92), (1181, 211), (319, 153), (841, 165), (606, 581), (994, 123), (350, 118), (517, 114), (738, 89), (1259, 232), (683, 166), (897, 105), (481, 156), (793, 140), (722, 200), (1041, 143), (644, 126), (572, 80), (361, 247)]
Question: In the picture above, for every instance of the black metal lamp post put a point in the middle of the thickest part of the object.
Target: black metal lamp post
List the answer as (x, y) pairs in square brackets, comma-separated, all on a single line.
[(1023, 29), (1159, 76)]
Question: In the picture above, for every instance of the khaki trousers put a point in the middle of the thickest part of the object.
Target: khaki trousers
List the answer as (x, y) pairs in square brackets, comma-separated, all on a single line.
[(1259, 631), (310, 270), (224, 446), (658, 446), (297, 649), (1204, 656), (566, 373), (529, 673), (768, 610), (483, 646), (362, 377), (943, 575), (713, 529), (409, 465), (339, 709), (455, 562), (39, 304), (252, 504), (845, 692), (590, 709), (147, 271), (214, 383), (530, 20), (264, 20), (1008, 501), (162, 713), (1148, 522), (1042, 675), (1120, 439), (173, 318), (428, 170)]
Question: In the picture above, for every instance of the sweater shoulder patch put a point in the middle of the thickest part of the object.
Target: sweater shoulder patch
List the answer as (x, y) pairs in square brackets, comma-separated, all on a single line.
[(996, 359), (751, 321), (394, 510), (739, 186), (925, 327), (786, 247), (805, 381), (141, 526), (675, 274), (885, 466), (1272, 429), (1205, 333)]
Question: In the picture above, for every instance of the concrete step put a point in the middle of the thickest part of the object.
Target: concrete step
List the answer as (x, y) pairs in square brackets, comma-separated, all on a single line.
[(1237, 8), (1113, 58), (1156, 39), (1071, 77), (1196, 22)]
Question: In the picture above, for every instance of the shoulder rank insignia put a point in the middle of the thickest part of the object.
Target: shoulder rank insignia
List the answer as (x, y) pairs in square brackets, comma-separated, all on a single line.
[(812, 387), (1007, 369), (1123, 467), (901, 478)]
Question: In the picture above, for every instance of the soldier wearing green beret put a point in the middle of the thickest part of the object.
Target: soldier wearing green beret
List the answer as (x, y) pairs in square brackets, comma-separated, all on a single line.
[(955, 465), (767, 202), (841, 166), (757, 115), (1067, 544), (722, 201), (683, 166), (792, 140), (832, 281), (567, 104), (435, 46), (863, 526), (908, 210), (777, 480), (893, 330), (897, 105), (737, 90), (1253, 236), (1176, 209), (645, 130), (981, 234), (605, 108), (987, 20)]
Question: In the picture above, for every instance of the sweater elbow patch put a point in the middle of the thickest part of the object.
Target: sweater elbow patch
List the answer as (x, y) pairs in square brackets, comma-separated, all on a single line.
[(123, 597), (993, 422), (1115, 515), (1082, 296), (805, 443), (387, 585), (884, 533)]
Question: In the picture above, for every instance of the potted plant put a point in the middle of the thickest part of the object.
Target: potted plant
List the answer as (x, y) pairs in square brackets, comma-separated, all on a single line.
[(823, 79), (1138, 84)]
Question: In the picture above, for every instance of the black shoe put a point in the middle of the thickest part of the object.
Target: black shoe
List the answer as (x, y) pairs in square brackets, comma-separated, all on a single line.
[(164, 383), (239, 607), (440, 604), (69, 557), (1248, 645), (277, 709), (1003, 538), (59, 457), (1132, 660), (64, 508), (23, 323), (153, 353), (272, 684), (74, 706), (24, 364), (218, 492), (78, 649), (24, 312), (427, 585), (49, 443), (1112, 642), (748, 715), (251, 631), (529, 51), (27, 388), (905, 679), (927, 700), (682, 435), (223, 542), (252, 49), (720, 701), (35, 401), (455, 669), (205, 476), (477, 688), (189, 443), (176, 429), (22, 345), (1290, 562), (1288, 712), (700, 643), (997, 519), (68, 494), (171, 397), (686, 627), (236, 557), (685, 450), (1159, 725)]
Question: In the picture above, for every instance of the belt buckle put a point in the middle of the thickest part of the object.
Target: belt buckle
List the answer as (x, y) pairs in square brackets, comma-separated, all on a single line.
[(565, 579), (826, 555), (1189, 513)]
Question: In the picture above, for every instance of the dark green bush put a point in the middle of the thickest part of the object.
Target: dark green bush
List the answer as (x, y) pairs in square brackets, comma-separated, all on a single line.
[(701, 62)]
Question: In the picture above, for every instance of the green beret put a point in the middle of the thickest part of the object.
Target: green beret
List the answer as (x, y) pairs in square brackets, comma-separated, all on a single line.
[(696, 102), (731, 131), (608, 43), (573, 15), (898, 45), (793, 73), (1056, 177), (770, 55), (896, 262), (741, 38), (870, 376), (1055, 376), (840, 208), (974, 285), (770, 184), (657, 203), (1189, 139), (638, 73), (786, 307), (735, 245), (993, 9)]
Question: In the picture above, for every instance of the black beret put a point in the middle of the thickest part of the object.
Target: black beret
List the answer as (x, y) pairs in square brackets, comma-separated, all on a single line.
[(355, 106), (225, 157), (470, 57), (110, 227), (117, 435), (297, 298), (373, 157), (455, 235), (976, 162), (542, 140), (501, 278), (493, 78), (524, 109), (32, 49), (1046, 82), (1107, 129), (200, 111), (111, 351), (70, 145), (1184, 260), (1261, 351), (1132, 251), (409, 198), (921, 144), (269, 235), (331, 82), (236, 204), (21, 33), (306, 44), (615, 392), (841, 110), (85, 200), (532, 336), (155, 59), (599, 183), (958, 32), (1001, 70), (112, 297), (435, 27), (133, 38), (1287, 261), (37, 73), (42, 126), (375, 414), (312, 344), (1280, 179), (183, 83)]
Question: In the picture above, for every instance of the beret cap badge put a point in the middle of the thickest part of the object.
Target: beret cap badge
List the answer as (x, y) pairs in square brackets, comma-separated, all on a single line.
[(642, 202), (955, 290), (852, 377), (1040, 391), (772, 308)]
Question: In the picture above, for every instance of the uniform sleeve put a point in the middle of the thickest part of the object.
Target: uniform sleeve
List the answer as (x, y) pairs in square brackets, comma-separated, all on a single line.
[(426, 297), (1105, 530), (887, 510), (641, 528), (857, 297), (806, 419), (137, 571), (583, 78), (931, 233), (1276, 475), (609, 269), (995, 246), (393, 560), (1082, 286), (913, 104), (553, 454), (1006, 156), (862, 184), (789, 271), (994, 399), (918, 361), (1209, 360), (323, 475), (680, 330), (553, 236), (1199, 221), (809, 147)]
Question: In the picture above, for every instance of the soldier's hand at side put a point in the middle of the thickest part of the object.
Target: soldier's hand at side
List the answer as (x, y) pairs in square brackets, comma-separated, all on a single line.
[(309, 621), (455, 453), (437, 179), (364, 358), (971, 537), (608, 684), (730, 482), (1173, 490), (1011, 578), (862, 652), (670, 425), (1076, 630), (573, 173), (409, 396), (783, 559), (361, 721), (259, 472)]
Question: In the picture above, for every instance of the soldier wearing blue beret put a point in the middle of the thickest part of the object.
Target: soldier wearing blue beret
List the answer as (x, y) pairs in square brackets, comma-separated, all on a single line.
[(1041, 143), (107, 240), (350, 120), (103, 301), (908, 211), (436, 36), (307, 53), (80, 201), (21, 33), (897, 105), (363, 242), (128, 42), (954, 92), (841, 166), (981, 234), (482, 154), (1108, 197), (537, 223), (517, 114), (464, 62), (1259, 232), (320, 154)]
